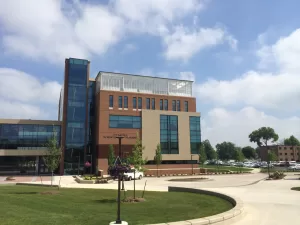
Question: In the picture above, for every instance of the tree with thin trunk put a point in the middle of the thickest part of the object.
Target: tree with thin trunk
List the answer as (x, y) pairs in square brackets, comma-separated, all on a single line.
[(53, 156), (157, 157), (111, 155), (262, 137), (136, 158), (239, 156)]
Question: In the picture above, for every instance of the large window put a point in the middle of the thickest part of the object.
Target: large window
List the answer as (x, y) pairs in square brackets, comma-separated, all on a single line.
[(124, 121), (195, 134), (140, 102), (148, 103), (120, 101), (161, 104), (169, 134), (166, 104), (186, 106), (174, 105), (111, 101), (125, 102), (178, 105), (25, 136), (153, 103), (134, 103)]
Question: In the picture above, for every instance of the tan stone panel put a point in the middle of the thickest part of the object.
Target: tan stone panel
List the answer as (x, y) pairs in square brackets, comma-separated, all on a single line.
[(5, 152), (151, 133), (21, 121)]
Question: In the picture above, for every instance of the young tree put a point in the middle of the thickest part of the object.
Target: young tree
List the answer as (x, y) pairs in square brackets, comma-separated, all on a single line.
[(111, 155), (202, 155), (271, 157), (249, 152), (53, 157), (292, 141), (136, 158), (157, 157)]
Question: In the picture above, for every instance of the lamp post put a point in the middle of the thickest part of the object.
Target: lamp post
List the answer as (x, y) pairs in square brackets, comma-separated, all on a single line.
[(118, 220)]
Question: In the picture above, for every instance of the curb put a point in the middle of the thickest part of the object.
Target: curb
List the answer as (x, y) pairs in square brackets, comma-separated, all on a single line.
[(237, 210)]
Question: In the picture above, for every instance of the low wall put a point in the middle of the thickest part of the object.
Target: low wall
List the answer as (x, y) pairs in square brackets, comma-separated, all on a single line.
[(237, 210), (173, 169)]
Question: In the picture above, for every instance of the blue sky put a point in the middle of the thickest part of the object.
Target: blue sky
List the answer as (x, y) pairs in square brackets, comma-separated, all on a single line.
[(243, 55)]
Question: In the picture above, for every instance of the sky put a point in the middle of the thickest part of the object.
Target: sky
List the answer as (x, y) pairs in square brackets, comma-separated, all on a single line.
[(242, 55)]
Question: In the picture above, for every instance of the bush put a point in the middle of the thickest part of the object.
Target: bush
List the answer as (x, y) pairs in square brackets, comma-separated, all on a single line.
[(10, 178), (277, 175)]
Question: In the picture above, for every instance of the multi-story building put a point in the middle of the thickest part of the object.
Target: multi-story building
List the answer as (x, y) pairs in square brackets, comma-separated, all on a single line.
[(283, 152), (156, 110)]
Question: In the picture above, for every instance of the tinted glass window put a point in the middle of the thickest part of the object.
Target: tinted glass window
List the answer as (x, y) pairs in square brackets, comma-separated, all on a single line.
[(161, 106), (195, 134), (166, 104), (148, 103), (174, 105), (169, 134), (140, 103), (125, 102), (111, 101), (178, 105), (120, 102), (153, 103), (186, 106), (124, 121), (134, 105)]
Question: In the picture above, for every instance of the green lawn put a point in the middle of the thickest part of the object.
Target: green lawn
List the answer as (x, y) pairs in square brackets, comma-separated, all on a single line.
[(215, 168), (27, 206), (296, 188)]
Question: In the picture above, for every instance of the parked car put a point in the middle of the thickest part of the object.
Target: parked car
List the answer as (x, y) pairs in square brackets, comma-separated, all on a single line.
[(294, 167), (130, 175)]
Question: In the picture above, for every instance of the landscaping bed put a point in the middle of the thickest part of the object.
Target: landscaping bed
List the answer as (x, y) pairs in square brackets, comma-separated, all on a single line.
[(27, 206), (295, 188)]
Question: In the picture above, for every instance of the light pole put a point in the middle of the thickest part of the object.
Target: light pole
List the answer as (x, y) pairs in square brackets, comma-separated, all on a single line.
[(118, 220)]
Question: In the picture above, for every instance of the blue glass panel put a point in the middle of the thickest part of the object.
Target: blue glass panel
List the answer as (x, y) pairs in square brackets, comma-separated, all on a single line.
[(124, 122)]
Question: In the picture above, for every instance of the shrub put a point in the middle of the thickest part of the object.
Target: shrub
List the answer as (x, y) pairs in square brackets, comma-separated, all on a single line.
[(10, 178), (277, 175)]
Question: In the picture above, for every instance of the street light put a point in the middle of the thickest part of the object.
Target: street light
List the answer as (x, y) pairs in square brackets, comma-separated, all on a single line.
[(192, 164), (118, 220)]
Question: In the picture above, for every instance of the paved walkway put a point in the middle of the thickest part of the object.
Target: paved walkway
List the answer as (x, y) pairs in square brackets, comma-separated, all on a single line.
[(266, 202)]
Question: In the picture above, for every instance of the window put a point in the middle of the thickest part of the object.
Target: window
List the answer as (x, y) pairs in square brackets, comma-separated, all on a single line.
[(153, 103), (111, 101), (148, 103), (285, 153), (291, 148), (133, 122), (174, 105), (120, 102), (292, 153), (195, 134), (284, 148), (165, 104), (161, 106), (125, 102), (169, 134), (140, 103), (134, 102), (178, 105), (280, 153), (186, 106)]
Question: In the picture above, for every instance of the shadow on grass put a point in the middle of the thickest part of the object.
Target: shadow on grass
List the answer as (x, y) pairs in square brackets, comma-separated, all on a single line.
[(24, 193), (111, 200)]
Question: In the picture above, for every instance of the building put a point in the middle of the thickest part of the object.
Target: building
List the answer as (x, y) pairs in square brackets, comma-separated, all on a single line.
[(283, 152), (157, 110)]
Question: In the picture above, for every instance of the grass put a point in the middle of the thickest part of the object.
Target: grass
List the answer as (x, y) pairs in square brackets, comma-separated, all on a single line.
[(27, 206), (295, 188), (215, 168)]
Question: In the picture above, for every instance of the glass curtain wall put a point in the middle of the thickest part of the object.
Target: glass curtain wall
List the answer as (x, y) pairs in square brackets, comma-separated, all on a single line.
[(169, 134), (76, 116), (195, 134)]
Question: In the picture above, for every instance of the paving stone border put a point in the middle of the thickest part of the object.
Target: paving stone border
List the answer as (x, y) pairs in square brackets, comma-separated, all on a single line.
[(235, 211)]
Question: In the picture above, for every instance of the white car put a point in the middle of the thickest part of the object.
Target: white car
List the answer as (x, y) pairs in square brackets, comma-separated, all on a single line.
[(130, 175), (294, 167)]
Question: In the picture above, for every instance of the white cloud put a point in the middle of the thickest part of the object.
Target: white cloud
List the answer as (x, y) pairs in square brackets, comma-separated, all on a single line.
[(280, 92), (22, 95), (284, 53), (183, 43), (187, 75), (129, 48), (224, 125), (54, 30)]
